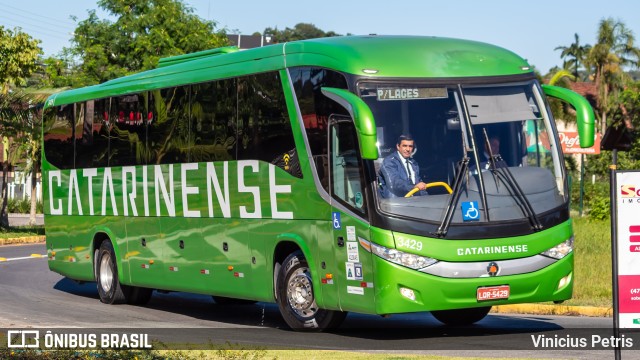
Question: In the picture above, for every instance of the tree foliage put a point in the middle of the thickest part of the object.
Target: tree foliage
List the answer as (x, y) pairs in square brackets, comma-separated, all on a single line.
[(143, 32), (574, 56), (300, 31), (18, 55), (20, 120), (614, 50)]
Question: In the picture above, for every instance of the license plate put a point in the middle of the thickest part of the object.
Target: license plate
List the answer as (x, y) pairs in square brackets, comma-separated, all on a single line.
[(493, 293)]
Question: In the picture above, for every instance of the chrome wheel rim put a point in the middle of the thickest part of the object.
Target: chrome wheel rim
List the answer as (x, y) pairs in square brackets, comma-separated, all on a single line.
[(300, 293), (106, 273)]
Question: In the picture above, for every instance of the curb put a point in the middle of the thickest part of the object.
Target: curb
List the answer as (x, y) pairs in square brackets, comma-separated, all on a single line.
[(23, 240), (543, 309)]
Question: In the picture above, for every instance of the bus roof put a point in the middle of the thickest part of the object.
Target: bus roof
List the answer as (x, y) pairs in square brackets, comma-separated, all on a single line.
[(373, 55)]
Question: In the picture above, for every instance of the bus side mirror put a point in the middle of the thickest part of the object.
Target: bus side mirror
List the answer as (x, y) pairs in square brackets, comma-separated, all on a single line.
[(584, 112), (362, 118)]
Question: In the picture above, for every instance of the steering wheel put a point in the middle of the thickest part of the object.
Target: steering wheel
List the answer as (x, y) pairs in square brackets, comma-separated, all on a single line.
[(437, 183)]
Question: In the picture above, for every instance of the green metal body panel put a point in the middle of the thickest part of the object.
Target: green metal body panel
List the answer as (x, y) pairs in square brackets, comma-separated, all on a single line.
[(180, 232), (436, 293), (456, 250)]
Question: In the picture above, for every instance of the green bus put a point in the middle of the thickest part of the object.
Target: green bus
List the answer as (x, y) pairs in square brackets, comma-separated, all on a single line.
[(255, 176)]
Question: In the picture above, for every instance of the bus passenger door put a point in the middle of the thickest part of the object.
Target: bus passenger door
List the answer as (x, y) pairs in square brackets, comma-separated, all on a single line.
[(353, 277)]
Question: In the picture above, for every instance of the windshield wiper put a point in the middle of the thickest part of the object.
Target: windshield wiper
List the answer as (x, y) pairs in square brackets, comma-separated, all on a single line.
[(461, 172), (504, 174)]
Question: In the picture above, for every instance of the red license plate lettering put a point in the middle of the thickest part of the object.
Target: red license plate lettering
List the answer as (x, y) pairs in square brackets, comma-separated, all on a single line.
[(493, 293)]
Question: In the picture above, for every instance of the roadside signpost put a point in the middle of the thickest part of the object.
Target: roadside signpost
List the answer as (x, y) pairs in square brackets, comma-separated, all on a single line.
[(628, 248), (624, 196)]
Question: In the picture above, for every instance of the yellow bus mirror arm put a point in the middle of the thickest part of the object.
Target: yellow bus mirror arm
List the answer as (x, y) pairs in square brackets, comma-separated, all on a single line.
[(362, 118), (584, 112)]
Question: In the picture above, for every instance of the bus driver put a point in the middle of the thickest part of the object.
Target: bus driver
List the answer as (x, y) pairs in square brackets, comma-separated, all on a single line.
[(400, 173)]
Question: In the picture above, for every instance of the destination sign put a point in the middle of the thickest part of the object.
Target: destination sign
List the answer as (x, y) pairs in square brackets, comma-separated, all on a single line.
[(407, 93)]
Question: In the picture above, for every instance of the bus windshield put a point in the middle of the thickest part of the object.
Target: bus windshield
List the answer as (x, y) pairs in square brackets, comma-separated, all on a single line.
[(503, 130)]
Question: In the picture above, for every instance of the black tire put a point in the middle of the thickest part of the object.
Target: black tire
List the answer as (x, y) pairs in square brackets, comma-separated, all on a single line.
[(296, 298), (460, 317), (222, 300), (109, 288)]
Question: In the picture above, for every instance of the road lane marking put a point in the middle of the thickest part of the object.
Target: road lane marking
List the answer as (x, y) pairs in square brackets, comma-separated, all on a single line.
[(32, 256)]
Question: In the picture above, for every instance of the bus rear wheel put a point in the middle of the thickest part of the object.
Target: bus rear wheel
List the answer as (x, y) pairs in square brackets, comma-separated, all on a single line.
[(296, 298), (109, 288), (461, 316)]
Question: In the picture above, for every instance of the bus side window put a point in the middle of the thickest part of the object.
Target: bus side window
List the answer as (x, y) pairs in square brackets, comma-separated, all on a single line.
[(315, 109), (58, 136), (346, 170), (264, 127), (213, 121)]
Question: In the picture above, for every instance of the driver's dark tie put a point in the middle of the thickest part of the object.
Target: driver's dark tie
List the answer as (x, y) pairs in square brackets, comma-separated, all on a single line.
[(408, 168)]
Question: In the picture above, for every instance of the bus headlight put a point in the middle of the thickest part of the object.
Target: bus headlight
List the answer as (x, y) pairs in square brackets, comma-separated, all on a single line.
[(412, 261), (561, 250)]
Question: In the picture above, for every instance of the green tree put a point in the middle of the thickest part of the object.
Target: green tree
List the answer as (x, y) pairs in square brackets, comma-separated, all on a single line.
[(21, 121), (143, 32), (300, 31), (614, 50), (18, 55), (574, 56)]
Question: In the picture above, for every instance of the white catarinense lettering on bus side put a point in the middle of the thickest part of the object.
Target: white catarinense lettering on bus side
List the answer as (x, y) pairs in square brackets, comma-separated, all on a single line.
[(131, 196), (107, 182), (188, 190), (255, 190), (160, 185), (145, 192), (54, 210), (74, 189), (274, 190), (89, 174), (212, 178)]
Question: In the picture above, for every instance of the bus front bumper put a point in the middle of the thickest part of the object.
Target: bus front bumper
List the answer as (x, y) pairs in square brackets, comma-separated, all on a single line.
[(396, 285)]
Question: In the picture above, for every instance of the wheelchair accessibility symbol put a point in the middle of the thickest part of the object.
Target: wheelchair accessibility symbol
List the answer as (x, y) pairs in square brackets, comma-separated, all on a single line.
[(470, 211), (337, 224)]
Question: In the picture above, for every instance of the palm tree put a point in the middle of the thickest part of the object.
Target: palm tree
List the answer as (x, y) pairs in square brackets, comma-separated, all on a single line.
[(614, 50), (20, 120), (576, 55)]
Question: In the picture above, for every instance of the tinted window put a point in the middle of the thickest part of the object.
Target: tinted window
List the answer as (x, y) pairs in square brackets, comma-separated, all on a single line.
[(316, 109), (127, 131), (264, 128), (92, 134), (168, 133), (58, 136), (213, 125)]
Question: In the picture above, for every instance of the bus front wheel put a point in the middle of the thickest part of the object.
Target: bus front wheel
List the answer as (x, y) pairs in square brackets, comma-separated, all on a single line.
[(296, 298), (109, 287), (461, 316)]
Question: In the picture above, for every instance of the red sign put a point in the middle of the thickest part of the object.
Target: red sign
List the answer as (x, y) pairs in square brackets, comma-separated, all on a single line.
[(629, 293), (493, 293), (570, 142)]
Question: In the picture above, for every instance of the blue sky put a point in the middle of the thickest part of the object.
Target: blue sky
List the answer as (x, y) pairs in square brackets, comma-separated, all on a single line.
[(532, 29)]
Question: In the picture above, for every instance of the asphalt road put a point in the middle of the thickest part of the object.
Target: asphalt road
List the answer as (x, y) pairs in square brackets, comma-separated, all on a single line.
[(31, 296)]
